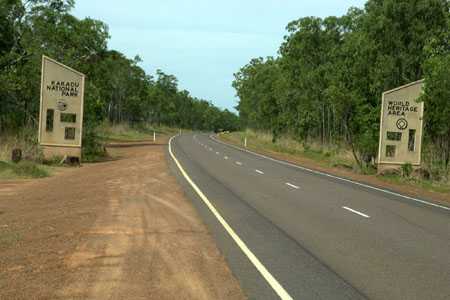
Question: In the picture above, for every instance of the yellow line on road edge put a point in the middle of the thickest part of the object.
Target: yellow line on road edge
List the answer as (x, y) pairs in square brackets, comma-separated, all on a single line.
[(276, 286)]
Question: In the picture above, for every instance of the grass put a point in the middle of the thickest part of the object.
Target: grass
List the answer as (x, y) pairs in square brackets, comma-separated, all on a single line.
[(31, 166), (24, 139), (125, 132), (94, 147), (429, 185), (23, 169), (9, 238), (326, 156)]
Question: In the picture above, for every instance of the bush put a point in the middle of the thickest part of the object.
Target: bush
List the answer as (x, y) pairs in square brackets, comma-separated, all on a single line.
[(407, 170), (30, 169), (93, 146)]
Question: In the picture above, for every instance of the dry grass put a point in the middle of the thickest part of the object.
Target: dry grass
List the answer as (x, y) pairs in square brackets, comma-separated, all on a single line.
[(125, 132), (25, 139), (336, 156), (31, 165), (329, 155)]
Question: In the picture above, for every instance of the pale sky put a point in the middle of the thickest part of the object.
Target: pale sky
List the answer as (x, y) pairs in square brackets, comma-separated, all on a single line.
[(203, 42)]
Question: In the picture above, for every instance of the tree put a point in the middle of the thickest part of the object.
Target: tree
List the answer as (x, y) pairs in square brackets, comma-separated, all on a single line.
[(117, 88), (326, 84)]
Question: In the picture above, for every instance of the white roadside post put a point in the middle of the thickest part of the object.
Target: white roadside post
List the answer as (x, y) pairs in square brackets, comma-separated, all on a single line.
[(245, 142), (154, 136)]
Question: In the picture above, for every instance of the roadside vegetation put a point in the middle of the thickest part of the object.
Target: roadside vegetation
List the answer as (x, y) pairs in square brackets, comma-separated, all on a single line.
[(121, 100), (33, 164), (332, 158), (23, 169), (126, 132), (321, 95)]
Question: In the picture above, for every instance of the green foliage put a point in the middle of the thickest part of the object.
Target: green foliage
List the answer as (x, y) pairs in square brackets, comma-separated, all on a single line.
[(326, 84), (23, 169), (93, 148), (407, 170), (117, 88), (437, 109), (29, 169)]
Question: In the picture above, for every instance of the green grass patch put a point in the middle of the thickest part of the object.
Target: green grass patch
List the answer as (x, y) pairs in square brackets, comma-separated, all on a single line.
[(8, 238), (23, 169), (93, 157), (434, 186)]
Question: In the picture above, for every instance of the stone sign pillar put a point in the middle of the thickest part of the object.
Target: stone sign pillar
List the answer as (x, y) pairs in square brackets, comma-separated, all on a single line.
[(61, 110), (401, 127)]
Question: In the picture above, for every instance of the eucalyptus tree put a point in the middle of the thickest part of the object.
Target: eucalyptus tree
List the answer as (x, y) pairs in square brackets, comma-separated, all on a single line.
[(117, 88), (326, 83)]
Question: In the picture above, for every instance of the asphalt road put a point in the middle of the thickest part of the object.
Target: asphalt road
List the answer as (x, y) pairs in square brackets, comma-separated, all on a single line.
[(318, 237)]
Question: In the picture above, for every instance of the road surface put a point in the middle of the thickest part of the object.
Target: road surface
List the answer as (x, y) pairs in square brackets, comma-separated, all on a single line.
[(296, 234)]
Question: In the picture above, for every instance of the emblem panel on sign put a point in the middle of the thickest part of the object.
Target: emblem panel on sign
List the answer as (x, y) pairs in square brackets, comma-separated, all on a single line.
[(62, 105), (402, 124)]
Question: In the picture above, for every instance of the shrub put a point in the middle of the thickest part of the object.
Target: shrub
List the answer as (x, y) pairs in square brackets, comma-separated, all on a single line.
[(93, 147), (407, 170)]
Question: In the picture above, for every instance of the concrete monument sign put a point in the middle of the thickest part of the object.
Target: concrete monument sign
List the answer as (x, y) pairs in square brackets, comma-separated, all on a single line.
[(61, 110), (401, 127)]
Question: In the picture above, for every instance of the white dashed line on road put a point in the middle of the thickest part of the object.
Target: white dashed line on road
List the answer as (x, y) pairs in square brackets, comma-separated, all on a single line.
[(239, 163), (259, 172), (356, 212), (292, 185), (332, 176)]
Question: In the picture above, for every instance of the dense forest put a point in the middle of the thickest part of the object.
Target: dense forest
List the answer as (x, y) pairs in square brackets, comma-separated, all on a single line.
[(117, 88), (325, 84)]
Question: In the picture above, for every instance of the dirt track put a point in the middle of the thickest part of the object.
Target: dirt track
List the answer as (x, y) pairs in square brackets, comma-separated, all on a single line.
[(115, 230)]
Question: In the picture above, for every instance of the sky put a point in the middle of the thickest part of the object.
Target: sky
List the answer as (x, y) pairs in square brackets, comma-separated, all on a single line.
[(203, 42)]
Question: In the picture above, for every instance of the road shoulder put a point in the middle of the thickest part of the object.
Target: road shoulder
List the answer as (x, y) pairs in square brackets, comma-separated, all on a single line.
[(118, 229), (441, 199)]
